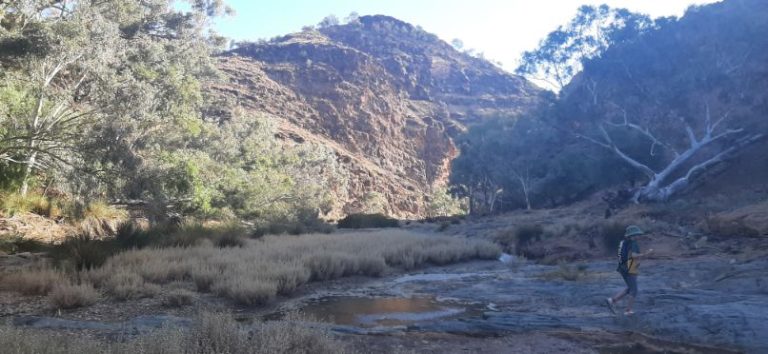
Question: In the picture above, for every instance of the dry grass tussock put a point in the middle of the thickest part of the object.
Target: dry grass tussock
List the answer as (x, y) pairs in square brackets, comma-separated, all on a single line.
[(566, 272), (748, 221), (62, 292), (210, 334), (68, 296), (34, 281), (273, 265)]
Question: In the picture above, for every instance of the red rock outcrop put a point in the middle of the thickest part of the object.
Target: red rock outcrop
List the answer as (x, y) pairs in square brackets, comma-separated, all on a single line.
[(386, 96)]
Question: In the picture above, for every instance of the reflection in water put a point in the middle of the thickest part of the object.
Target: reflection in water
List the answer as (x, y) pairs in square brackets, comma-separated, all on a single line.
[(369, 312)]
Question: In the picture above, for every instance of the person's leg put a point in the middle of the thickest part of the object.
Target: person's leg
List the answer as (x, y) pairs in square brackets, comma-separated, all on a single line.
[(620, 295), (632, 283), (623, 292)]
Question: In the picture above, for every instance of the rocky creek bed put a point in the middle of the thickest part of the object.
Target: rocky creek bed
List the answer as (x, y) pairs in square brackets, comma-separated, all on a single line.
[(699, 305)]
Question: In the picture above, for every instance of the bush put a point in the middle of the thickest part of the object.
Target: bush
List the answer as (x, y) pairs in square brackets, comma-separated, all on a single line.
[(725, 226), (249, 292), (204, 276), (507, 239), (34, 282), (122, 284), (230, 240), (516, 240), (364, 221), (17, 243), (15, 203), (131, 236), (179, 298), (84, 251), (527, 234), (566, 272), (229, 235), (304, 221), (69, 296), (190, 234), (102, 210), (209, 333)]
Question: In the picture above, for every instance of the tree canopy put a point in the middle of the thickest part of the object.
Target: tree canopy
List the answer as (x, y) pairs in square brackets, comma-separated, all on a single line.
[(105, 100)]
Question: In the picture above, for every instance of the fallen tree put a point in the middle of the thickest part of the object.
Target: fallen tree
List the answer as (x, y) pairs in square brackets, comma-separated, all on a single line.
[(679, 171)]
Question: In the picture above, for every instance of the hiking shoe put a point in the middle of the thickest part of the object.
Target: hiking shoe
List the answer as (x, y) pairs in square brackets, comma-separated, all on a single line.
[(609, 302), (629, 313)]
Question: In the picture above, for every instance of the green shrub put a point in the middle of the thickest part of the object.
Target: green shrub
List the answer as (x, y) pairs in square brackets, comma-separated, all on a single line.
[(131, 236), (187, 234), (17, 243), (364, 221), (15, 203), (84, 251), (519, 238), (102, 210), (507, 239), (300, 222), (527, 234), (230, 236)]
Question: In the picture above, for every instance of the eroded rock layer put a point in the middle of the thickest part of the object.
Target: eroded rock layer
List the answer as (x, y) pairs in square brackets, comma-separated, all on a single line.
[(386, 96)]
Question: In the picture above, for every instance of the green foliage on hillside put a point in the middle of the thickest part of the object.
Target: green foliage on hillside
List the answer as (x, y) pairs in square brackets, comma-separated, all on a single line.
[(104, 100), (365, 221), (521, 163)]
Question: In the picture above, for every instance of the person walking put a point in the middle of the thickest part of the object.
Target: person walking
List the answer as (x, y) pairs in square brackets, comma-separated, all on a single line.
[(629, 256)]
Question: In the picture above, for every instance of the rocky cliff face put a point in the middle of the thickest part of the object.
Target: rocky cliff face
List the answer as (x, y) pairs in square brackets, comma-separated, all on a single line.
[(386, 96)]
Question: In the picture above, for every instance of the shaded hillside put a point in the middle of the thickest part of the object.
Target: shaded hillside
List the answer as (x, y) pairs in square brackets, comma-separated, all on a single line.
[(663, 110), (386, 96)]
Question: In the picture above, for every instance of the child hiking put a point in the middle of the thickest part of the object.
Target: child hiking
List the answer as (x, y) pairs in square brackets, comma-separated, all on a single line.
[(629, 255)]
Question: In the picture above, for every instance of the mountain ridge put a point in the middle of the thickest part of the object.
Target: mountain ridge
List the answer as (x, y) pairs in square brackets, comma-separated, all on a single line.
[(387, 97)]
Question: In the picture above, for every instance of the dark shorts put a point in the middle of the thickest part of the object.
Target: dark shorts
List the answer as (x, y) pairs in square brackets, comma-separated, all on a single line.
[(631, 281)]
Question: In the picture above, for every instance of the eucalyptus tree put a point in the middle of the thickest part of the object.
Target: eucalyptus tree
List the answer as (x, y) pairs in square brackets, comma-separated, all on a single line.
[(87, 85), (559, 56), (692, 90)]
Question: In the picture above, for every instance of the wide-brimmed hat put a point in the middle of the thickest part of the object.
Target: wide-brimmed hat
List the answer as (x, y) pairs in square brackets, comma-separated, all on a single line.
[(633, 230)]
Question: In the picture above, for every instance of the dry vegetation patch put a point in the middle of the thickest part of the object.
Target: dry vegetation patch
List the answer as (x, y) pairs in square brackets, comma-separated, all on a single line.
[(211, 333), (262, 269), (68, 296), (256, 272), (566, 272), (34, 281)]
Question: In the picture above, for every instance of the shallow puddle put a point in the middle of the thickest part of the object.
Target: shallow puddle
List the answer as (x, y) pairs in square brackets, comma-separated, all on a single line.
[(372, 312)]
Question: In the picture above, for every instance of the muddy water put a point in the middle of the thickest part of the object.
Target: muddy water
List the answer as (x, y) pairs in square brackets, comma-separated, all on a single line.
[(388, 311)]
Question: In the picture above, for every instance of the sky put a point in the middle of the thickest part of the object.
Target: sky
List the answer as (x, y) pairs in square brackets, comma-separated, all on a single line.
[(501, 29)]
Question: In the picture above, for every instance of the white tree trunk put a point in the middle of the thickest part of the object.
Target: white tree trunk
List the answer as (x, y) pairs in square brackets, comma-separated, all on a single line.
[(658, 189), (31, 161), (524, 185), (655, 191)]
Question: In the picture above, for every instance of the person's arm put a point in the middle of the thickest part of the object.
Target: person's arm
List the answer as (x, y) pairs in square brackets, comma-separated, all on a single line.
[(639, 255), (636, 254)]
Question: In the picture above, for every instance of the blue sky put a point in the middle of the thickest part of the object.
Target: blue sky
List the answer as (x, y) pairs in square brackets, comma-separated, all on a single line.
[(501, 29)]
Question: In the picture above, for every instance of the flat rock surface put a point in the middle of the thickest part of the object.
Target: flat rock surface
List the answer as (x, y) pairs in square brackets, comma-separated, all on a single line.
[(700, 305), (711, 302)]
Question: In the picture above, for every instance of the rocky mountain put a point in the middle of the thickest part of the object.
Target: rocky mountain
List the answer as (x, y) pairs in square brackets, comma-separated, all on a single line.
[(385, 95)]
